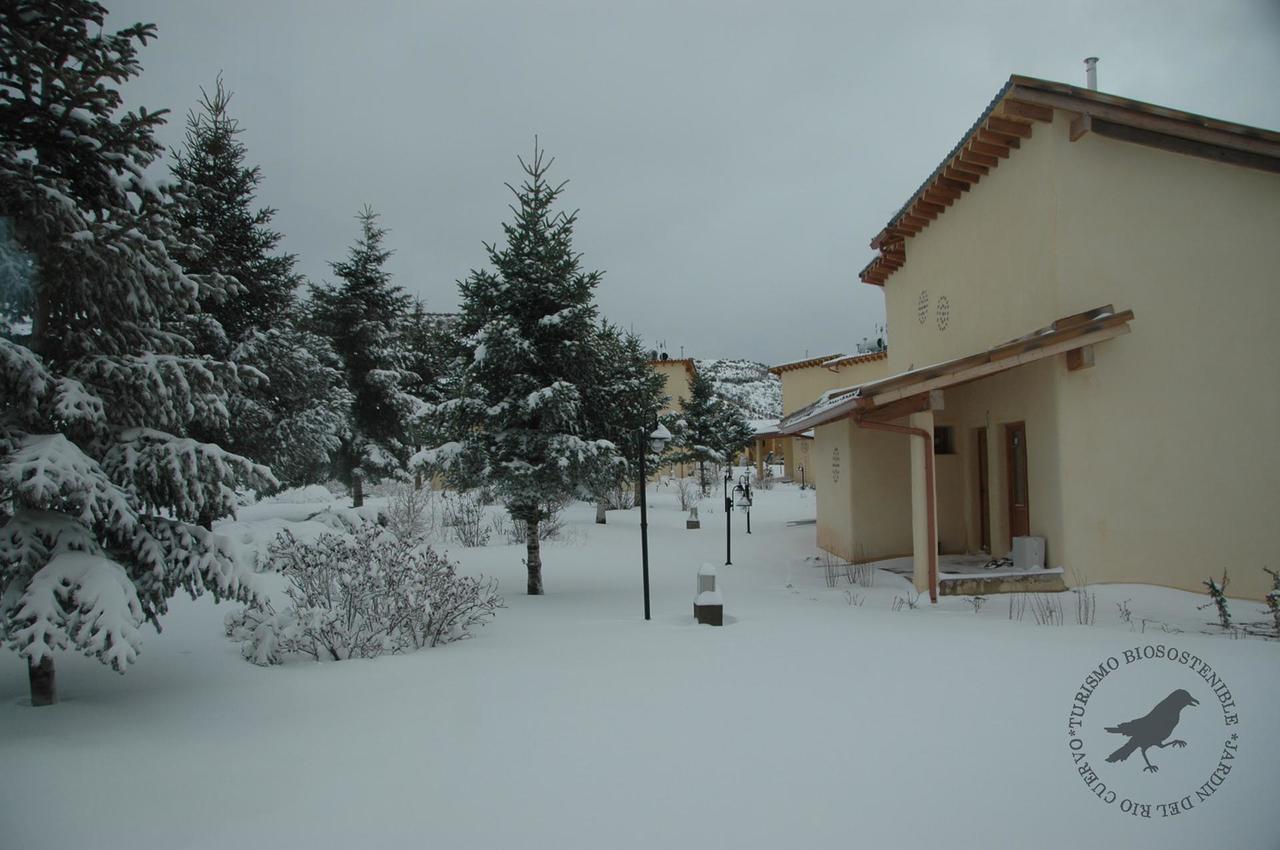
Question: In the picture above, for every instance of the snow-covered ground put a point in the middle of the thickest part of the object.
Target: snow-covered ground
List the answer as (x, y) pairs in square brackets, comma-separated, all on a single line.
[(816, 717)]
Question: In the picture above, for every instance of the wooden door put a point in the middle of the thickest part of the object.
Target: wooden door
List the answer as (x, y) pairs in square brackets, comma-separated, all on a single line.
[(984, 491), (1015, 435)]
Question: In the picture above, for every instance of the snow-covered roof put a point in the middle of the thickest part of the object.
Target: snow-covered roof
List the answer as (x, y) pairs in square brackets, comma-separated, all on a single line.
[(802, 364), (855, 359), (1065, 334), (763, 427)]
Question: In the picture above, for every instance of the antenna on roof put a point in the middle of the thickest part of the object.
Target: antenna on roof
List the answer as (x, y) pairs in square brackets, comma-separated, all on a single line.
[(1091, 73)]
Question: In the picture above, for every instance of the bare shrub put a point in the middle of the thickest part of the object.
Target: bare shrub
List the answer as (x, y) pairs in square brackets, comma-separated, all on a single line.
[(1086, 606), (909, 602), (464, 513), (1273, 597), (1126, 616), (1017, 606), (1046, 608), (831, 570), (1218, 599), (763, 480), (620, 498), (854, 600), (977, 602), (688, 492), (864, 575), (410, 513), (361, 595)]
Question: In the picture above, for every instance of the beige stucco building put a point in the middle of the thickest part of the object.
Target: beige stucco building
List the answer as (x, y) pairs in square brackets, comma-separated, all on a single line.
[(1080, 301), (677, 376), (803, 381)]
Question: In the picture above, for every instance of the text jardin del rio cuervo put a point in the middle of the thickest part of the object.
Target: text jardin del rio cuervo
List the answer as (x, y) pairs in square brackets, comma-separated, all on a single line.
[(1155, 654)]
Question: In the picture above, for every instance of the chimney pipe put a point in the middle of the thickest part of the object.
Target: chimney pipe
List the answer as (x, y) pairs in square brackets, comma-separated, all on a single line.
[(1091, 73)]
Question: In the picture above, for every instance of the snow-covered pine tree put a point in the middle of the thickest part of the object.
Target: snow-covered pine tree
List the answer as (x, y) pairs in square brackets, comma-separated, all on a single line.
[(518, 422), (100, 488), (295, 423), (238, 239), (293, 420), (622, 404), (710, 430), (362, 316)]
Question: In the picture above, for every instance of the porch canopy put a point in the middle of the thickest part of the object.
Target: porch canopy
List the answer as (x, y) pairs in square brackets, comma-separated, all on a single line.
[(908, 392)]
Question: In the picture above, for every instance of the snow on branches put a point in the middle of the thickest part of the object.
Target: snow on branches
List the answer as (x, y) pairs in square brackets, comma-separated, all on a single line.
[(83, 600), (100, 481)]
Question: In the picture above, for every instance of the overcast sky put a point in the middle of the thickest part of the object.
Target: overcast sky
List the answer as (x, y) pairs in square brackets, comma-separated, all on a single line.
[(730, 161)]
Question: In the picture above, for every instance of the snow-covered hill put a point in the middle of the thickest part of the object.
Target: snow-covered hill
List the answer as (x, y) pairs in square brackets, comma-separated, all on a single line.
[(747, 384)]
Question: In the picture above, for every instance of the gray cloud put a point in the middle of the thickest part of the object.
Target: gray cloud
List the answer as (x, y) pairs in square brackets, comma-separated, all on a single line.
[(730, 161)]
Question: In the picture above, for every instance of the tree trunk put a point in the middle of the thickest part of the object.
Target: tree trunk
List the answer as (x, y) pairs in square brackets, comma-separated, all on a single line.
[(702, 476), (601, 506), (40, 677), (533, 556), (357, 489)]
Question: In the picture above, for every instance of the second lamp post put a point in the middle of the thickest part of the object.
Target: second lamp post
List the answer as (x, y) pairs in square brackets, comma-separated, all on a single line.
[(657, 441)]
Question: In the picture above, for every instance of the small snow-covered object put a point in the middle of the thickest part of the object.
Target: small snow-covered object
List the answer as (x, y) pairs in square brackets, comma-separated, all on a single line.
[(708, 605)]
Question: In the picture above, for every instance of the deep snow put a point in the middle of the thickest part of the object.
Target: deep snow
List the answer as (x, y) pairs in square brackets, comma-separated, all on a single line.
[(569, 721)]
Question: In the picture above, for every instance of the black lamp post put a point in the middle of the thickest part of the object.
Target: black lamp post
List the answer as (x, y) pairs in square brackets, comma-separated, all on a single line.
[(742, 490), (728, 513), (657, 441)]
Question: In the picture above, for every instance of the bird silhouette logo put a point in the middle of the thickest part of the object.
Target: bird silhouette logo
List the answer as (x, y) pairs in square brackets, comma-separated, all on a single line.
[(1154, 729)]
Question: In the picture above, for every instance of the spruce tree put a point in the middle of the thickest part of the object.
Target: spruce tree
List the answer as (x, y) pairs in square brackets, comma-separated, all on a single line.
[(294, 423), (623, 400), (362, 317), (709, 429), (697, 437), (100, 485), (293, 420), (518, 421), (238, 240)]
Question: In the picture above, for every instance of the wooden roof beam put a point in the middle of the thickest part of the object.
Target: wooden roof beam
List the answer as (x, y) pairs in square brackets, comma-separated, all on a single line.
[(928, 400), (1022, 109), (990, 136), (1189, 147), (1144, 120), (989, 149), (971, 155), (966, 177), (963, 164), (1012, 128), (952, 183)]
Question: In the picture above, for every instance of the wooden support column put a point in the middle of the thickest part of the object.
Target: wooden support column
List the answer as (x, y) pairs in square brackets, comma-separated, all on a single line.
[(924, 534)]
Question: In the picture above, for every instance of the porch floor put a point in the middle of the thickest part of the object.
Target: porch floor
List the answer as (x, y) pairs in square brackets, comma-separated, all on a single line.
[(967, 575)]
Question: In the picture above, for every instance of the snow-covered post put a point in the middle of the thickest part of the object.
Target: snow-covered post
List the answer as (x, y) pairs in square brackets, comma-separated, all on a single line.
[(357, 488), (708, 605)]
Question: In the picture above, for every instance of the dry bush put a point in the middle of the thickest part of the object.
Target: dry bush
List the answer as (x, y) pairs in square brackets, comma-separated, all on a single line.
[(359, 596)]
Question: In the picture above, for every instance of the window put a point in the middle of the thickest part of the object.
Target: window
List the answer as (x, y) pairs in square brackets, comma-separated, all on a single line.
[(944, 440)]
